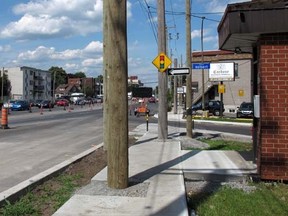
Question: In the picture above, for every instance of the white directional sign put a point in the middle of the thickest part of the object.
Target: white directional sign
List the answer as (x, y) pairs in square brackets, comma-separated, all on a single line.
[(178, 71)]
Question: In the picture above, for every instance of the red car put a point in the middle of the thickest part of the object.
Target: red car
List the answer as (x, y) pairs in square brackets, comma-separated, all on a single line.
[(62, 102)]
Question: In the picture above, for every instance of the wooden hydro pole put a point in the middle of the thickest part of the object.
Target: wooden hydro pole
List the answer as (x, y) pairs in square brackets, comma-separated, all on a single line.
[(189, 77), (115, 95), (162, 76)]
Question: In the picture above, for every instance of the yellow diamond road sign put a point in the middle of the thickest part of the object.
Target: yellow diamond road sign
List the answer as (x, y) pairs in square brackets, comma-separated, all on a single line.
[(162, 62)]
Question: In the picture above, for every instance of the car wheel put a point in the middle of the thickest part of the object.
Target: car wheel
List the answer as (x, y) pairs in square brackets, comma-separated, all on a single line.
[(217, 112)]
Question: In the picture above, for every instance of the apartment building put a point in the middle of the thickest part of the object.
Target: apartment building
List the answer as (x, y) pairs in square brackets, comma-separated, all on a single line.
[(29, 83)]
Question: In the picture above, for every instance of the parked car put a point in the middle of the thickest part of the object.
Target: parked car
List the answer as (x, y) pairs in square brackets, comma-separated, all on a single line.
[(9, 104), (152, 100), (62, 102), (99, 99), (88, 100), (38, 102), (80, 102), (20, 105), (246, 109), (213, 106), (46, 104)]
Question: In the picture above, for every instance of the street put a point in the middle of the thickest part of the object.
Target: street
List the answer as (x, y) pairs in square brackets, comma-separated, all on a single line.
[(36, 142)]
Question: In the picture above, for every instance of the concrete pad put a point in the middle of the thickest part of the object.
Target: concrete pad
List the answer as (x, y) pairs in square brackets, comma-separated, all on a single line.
[(102, 205)]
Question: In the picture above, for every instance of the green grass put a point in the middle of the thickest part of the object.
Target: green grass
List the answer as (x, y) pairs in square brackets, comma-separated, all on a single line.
[(215, 144), (54, 193), (267, 199)]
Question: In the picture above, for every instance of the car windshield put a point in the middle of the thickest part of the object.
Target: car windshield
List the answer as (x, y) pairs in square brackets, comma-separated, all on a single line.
[(19, 102), (247, 106)]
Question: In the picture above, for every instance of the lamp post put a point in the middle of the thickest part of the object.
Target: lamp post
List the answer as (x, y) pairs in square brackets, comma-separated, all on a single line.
[(54, 83), (203, 89), (2, 96)]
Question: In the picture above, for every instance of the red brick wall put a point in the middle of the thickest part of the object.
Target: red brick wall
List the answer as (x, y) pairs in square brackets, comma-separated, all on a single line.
[(273, 123)]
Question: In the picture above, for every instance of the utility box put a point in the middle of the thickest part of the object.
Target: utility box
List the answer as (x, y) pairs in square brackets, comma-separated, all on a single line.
[(205, 114)]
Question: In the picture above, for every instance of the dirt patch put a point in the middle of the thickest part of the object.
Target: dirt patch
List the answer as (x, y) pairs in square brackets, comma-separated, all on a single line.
[(46, 198)]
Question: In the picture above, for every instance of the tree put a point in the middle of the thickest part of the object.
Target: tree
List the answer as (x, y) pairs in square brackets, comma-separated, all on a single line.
[(6, 86), (89, 91), (60, 76), (80, 75), (99, 79)]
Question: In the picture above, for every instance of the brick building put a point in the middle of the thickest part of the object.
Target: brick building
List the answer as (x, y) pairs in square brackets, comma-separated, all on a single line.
[(84, 84), (261, 28)]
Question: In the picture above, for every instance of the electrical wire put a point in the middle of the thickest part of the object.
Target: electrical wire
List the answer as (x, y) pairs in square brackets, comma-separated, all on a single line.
[(146, 9)]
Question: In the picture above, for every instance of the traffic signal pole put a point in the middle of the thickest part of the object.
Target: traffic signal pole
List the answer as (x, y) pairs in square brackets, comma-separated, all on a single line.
[(162, 76)]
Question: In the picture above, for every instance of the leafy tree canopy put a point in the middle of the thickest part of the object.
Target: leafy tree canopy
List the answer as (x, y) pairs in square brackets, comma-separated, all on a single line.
[(99, 79), (59, 74), (80, 75)]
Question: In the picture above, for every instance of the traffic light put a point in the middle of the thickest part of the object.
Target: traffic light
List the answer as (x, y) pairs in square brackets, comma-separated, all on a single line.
[(162, 62)]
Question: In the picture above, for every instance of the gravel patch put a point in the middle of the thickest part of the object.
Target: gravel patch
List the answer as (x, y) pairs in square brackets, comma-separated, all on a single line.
[(101, 188)]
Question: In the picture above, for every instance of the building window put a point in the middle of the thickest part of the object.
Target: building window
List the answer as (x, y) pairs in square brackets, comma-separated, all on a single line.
[(195, 87)]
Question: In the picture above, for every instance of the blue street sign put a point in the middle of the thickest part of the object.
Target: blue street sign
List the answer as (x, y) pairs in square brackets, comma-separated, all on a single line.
[(201, 66)]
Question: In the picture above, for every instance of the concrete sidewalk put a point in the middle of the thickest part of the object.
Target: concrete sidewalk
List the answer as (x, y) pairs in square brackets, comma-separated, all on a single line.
[(156, 179)]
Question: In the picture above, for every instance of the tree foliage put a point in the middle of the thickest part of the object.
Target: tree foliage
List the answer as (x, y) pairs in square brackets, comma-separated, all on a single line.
[(60, 76), (6, 86), (80, 75), (99, 79)]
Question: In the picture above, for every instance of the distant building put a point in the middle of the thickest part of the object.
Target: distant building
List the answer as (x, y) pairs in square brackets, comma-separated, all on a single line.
[(134, 81), (236, 91), (84, 84), (29, 83), (66, 90)]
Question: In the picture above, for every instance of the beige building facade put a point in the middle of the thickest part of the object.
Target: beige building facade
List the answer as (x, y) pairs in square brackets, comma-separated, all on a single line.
[(236, 91)]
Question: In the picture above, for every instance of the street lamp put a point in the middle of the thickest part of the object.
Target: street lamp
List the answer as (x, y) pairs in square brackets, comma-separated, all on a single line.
[(54, 82), (203, 89)]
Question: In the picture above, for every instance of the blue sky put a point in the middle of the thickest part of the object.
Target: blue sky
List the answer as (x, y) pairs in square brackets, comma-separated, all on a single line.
[(68, 33)]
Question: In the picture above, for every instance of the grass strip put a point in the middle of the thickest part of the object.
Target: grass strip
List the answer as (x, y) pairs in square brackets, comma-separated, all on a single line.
[(53, 193), (267, 199)]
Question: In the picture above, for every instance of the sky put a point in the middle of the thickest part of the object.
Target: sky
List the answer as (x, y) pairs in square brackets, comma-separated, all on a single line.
[(69, 34)]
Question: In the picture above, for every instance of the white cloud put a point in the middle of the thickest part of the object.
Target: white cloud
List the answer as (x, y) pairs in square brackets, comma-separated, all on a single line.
[(218, 5), (211, 39), (67, 54), (56, 18), (29, 27), (5, 48), (40, 53), (88, 9), (43, 52), (92, 62), (94, 47), (197, 33)]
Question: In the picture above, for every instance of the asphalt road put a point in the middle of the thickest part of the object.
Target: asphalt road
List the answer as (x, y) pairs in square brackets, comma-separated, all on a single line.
[(37, 142)]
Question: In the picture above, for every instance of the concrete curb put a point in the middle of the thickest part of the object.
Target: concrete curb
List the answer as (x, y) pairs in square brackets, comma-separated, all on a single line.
[(12, 194)]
